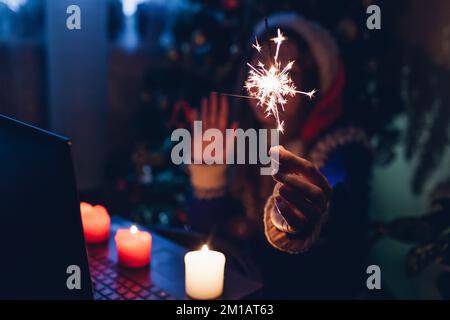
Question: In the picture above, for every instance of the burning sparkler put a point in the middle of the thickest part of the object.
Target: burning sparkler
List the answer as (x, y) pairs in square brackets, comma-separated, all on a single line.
[(272, 85)]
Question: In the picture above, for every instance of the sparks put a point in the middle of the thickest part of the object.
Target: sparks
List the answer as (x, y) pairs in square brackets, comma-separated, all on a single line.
[(256, 45), (278, 40), (272, 85)]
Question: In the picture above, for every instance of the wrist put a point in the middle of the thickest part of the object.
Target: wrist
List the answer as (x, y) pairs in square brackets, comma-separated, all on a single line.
[(284, 241), (208, 177)]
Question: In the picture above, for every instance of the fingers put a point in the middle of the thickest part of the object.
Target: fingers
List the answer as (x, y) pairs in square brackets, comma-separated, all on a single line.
[(288, 162), (304, 188), (193, 116), (230, 142), (213, 104), (306, 207), (214, 112), (230, 138), (223, 117), (204, 107), (296, 221)]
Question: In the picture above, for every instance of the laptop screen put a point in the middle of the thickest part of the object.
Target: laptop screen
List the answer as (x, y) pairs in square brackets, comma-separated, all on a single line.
[(43, 255)]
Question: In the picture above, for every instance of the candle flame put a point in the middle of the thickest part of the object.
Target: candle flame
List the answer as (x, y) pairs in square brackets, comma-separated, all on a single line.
[(204, 248), (133, 229)]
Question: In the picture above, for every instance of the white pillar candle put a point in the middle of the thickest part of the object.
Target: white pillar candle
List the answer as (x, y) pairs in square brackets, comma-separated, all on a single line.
[(204, 273)]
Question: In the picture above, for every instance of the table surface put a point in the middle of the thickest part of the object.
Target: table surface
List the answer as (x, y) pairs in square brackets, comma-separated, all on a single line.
[(166, 269)]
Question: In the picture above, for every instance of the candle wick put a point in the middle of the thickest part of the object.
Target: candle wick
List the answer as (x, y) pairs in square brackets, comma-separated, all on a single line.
[(133, 229)]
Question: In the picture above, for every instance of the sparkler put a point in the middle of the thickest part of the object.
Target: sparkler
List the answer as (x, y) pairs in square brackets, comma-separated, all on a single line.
[(272, 85)]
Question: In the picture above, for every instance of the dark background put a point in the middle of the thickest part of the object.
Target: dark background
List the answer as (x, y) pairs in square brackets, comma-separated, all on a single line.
[(114, 87)]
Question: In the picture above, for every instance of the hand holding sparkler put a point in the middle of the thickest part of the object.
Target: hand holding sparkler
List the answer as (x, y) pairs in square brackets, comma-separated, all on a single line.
[(302, 195)]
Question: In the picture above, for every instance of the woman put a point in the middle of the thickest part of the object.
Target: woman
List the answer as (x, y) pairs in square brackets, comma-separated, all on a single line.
[(319, 195)]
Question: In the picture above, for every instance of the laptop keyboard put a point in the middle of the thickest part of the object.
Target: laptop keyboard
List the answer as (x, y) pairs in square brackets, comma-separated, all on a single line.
[(110, 284)]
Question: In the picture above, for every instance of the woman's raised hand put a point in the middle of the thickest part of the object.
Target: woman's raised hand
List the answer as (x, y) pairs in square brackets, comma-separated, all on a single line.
[(214, 115)]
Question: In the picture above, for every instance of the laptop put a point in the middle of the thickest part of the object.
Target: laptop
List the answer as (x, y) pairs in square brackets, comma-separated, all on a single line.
[(41, 236)]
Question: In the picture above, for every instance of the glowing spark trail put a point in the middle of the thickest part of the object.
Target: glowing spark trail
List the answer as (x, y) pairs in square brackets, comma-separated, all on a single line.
[(272, 85), (278, 40), (256, 45)]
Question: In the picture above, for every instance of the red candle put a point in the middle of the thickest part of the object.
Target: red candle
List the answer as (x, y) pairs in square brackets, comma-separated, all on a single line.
[(133, 247), (96, 222)]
